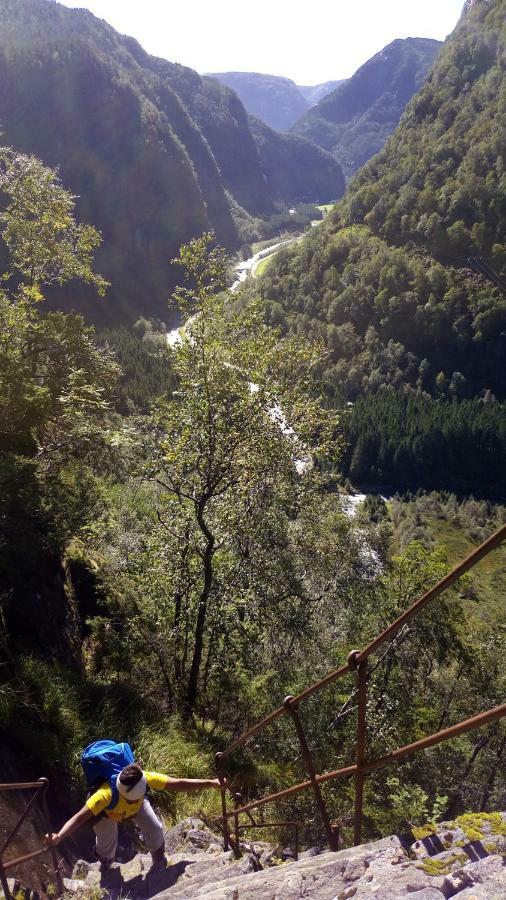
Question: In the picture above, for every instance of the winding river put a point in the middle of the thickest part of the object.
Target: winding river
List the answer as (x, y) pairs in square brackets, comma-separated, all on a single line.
[(242, 270)]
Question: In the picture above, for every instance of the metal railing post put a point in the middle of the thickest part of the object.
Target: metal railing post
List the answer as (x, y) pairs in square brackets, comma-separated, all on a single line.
[(310, 769), (56, 868), (237, 804), (362, 673), (4, 882), (219, 768)]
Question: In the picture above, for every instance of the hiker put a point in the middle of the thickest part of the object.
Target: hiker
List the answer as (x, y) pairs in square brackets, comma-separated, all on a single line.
[(131, 784)]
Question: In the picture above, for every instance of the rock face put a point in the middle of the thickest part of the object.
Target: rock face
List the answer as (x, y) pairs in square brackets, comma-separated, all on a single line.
[(448, 861)]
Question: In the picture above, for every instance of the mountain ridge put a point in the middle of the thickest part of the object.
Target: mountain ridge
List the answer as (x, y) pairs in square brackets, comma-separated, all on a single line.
[(155, 153), (386, 282), (273, 99), (353, 121)]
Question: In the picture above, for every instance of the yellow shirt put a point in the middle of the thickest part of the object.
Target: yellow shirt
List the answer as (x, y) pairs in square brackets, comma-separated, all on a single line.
[(100, 800)]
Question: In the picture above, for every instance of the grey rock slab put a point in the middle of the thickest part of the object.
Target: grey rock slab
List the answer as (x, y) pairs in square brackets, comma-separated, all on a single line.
[(390, 893), (271, 856), (325, 875), (489, 891), (81, 869), (491, 869), (175, 837), (310, 852), (74, 885), (230, 893), (193, 885), (391, 877), (202, 838), (318, 878)]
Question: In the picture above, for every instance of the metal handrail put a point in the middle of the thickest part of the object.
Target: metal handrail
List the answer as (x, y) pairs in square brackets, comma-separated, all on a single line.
[(40, 791), (357, 662)]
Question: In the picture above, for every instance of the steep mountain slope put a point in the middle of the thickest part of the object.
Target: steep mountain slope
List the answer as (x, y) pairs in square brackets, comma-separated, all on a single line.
[(376, 283), (315, 92), (275, 100), (292, 168), (155, 153), (72, 93), (354, 121)]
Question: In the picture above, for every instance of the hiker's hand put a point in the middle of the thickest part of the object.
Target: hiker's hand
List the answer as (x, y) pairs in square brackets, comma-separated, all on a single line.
[(52, 840), (215, 782)]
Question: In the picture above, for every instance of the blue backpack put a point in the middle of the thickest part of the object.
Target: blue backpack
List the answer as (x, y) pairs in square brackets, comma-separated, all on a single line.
[(103, 761)]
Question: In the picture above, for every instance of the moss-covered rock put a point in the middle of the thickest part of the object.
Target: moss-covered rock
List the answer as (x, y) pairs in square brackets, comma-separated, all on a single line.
[(477, 825), (444, 863), (424, 831)]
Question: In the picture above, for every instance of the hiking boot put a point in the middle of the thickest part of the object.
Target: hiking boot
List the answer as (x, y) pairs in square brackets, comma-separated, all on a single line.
[(158, 857), (105, 864)]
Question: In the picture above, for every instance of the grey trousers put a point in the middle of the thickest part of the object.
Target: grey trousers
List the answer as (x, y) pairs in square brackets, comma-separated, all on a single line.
[(106, 831)]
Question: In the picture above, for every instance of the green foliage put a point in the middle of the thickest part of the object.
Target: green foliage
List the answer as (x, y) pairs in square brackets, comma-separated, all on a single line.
[(145, 367), (168, 747), (446, 187), (444, 866), (232, 458), (155, 153), (385, 283), (45, 243), (476, 825), (409, 805), (410, 441), (458, 525), (55, 397), (354, 121), (362, 297), (211, 570), (296, 170)]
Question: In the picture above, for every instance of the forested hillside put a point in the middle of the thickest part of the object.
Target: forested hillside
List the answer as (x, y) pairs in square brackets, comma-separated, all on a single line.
[(175, 557), (395, 283), (291, 167), (354, 121), (177, 550), (155, 153)]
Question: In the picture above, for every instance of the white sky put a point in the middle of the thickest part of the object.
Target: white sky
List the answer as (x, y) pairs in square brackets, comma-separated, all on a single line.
[(308, 41)]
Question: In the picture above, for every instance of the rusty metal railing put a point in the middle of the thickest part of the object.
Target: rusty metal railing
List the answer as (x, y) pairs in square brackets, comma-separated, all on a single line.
[(39, 789), (357, 663)]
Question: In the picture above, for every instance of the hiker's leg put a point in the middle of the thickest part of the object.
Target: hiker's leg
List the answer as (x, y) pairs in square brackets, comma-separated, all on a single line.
[(152, 829), (106, 833)]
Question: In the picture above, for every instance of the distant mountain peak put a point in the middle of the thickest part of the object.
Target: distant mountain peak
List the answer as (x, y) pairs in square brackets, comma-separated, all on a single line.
[(274, 99), (353, 121)]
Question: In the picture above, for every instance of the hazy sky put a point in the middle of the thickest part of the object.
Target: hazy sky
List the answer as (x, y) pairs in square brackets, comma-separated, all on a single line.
[(307, 41)]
